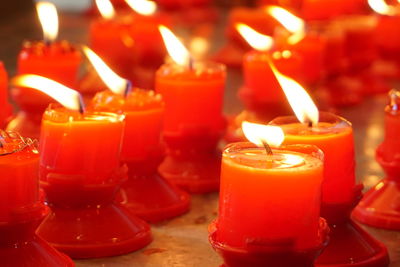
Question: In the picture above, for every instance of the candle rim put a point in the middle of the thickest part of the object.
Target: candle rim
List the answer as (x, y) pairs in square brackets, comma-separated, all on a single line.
[(203, 69)]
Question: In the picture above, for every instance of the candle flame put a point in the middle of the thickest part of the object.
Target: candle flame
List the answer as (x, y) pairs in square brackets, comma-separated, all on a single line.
[(143, 7), (105, 8), (114, 82), (260, 134), (292, 23), (48, 17), (177, 51), (67, 97), (300, 101), (255, 39), (380, 7)]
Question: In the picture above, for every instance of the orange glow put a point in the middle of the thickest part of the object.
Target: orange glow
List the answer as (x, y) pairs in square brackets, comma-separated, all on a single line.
[(176, 50), (48, 17), (300, 101), (105, 8), (380, 7), (260, 134), (143, 7), (255, 39), (67, 97), (115, 83)]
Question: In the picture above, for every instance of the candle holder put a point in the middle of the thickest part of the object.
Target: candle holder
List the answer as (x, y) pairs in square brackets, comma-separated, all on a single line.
[(260, 254), (193, 161), (81, 174), (379, 206), (19, 244), (149, 195)]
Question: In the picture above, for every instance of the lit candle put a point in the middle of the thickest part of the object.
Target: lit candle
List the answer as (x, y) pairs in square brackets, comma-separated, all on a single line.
[(309, 46), (193, 94), (269, 198), (145, 193), (331, 133), (58, 60), (19, 161), (80, 171), (5, 110)]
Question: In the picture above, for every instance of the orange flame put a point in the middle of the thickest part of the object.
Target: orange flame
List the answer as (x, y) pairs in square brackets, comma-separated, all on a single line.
[(48, 17), (143, 7), (105, 8), (260, 134), (177, 51), (255, 39), (380, 7)]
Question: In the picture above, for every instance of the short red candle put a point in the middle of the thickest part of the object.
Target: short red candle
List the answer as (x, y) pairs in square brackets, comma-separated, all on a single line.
[(144, 112), (5, 110), (334, 136), (85, 146), (193, 97), (270, 203), (19, 162), (59, 61)]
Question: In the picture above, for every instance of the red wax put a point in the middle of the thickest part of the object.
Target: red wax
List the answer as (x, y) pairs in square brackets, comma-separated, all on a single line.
[(5, 107), (387, 36), (334, 136), (59, 61), (19, 183), (193, 97), (144, 112), (270, 203), (329, 9), (85, 146)]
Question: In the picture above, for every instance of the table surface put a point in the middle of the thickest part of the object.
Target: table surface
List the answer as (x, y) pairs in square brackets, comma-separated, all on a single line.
[(183, 240)]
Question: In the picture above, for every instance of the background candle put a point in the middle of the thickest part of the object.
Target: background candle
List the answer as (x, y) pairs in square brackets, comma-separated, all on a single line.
[(334, 136), (85, 146), (5, 107), (270, 203), (19, 183), (193, 97)]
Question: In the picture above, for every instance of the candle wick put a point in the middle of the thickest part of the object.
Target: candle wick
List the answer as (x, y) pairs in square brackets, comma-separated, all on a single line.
[(81, 105), (128, 88), (310, 124), (47, 42), (191, 63), (267, 148)]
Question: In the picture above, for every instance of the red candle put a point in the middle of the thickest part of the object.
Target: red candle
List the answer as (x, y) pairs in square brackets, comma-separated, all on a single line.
[(19, 161), (270, 200), (5, 110), (329, 9), (70, 145)]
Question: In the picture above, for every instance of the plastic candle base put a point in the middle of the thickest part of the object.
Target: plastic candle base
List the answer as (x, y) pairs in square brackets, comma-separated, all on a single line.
[(380, 206), (267, 255), (151, 197), (350, 245), (90, 225), (20, 246), (195, 173)]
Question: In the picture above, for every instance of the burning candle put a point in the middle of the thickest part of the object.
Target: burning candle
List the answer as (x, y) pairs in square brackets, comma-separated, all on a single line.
[(80, 171), (193, 123), (145, 193), (331, 133), (269, 197), (192, 91), (309, 46), (19, 161), (5, 110)]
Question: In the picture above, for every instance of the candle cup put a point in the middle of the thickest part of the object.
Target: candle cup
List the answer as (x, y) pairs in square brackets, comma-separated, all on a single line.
[(334, 136), (21, 209), (5, 110), (146, 193), (80, 173), (193, 124), (378, 207), (59, 61), (269, 206)]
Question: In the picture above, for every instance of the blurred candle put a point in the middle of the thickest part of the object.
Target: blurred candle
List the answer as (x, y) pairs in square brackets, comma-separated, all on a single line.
[(5, 107), (19, 183), (270, 199), (332, 134)]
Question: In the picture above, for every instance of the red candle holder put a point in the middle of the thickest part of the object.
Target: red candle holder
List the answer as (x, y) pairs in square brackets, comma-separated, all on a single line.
[(21, 208), (260, 255), (379, 206), (59, 61), (80, 173), (146, 193)]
